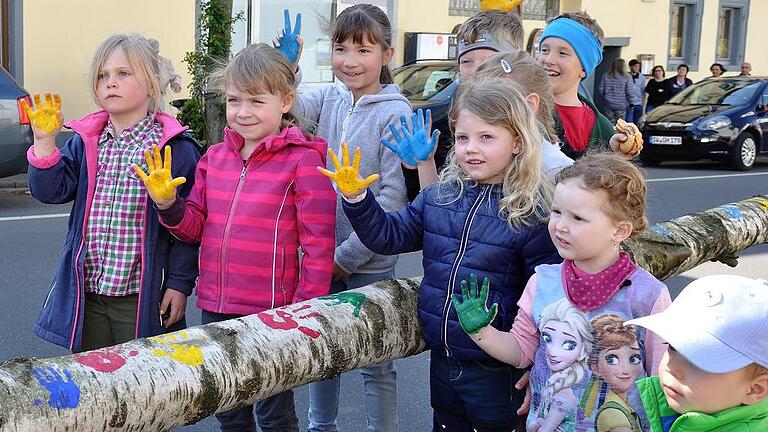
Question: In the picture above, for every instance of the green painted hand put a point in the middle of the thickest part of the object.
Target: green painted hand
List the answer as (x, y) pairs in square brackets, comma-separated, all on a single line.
[(347, 176), (473, 314)]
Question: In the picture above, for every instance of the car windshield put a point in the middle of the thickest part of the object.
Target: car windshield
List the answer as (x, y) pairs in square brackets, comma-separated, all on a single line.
[(717, 92), (423, 82)]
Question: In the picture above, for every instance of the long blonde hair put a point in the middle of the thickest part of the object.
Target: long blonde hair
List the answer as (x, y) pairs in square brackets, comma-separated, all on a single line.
[(141, 57), (523, 69), (564, 311), (527, 192)]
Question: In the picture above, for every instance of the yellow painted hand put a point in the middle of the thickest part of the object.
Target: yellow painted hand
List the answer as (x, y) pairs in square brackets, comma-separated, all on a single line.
[(160, 185), (502, 5), (45, 117), (179, 347), (347, 177)]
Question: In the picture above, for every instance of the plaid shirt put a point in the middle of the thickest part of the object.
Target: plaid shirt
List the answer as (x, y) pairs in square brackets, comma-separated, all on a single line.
[(116, 223)]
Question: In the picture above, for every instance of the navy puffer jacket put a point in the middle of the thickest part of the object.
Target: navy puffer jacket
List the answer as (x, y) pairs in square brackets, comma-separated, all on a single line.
[(462, 237)]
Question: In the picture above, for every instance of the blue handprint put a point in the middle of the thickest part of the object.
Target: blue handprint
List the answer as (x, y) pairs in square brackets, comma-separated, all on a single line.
[(64, 392), (287, 41), (414, 145)]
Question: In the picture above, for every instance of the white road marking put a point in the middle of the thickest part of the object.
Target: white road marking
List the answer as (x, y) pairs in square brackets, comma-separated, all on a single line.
[(706, 177), (42, 216)]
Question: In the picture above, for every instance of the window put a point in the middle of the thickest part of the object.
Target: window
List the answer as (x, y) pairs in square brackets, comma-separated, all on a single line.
[(463, 7), (540, 10), (731, 32), (684, 33)]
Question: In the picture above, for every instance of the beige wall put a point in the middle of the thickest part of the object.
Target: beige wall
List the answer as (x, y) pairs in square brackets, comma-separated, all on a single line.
[(60, 39), (422, 16)]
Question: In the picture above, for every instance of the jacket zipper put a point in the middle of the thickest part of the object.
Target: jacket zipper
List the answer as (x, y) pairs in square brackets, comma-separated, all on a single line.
[(344, 125), (457, 262), (274, 246), (225, 237)]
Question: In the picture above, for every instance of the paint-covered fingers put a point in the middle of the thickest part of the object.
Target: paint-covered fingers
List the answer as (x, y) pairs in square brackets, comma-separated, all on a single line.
[(160, 184), (347, 175), (45, 116)]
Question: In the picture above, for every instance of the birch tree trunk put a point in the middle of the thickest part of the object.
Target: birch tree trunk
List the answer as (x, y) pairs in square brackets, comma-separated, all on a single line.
[(180, 378)]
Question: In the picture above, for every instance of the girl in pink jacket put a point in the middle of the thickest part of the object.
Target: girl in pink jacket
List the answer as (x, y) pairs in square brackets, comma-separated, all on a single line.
[(257, 198)]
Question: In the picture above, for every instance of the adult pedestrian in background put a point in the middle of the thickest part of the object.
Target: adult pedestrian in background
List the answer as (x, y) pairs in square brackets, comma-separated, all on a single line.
[(717, 70), (616, 88), (655, 89), (635, 109), (679, 82), (746, 69)]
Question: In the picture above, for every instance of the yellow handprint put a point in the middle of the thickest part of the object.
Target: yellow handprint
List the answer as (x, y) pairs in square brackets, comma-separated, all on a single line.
[(160, 185), (348, 177), (45, 117), (180, 348)]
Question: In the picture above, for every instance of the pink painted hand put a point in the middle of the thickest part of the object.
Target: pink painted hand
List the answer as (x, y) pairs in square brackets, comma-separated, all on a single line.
[(160, 185), (45, 117), (347, 177)]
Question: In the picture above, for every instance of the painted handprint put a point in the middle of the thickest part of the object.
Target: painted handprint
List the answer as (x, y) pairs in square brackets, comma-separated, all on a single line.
[(351, 298), (287, 41), (284, 319), (64, 393), (415, 144), (45, 117), (177, 347), (347, 177), (104, 360), (158, 181)]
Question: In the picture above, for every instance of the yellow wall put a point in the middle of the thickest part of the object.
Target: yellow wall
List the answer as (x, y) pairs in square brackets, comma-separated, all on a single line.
[(60, 39), (757, 35), (422, 16)]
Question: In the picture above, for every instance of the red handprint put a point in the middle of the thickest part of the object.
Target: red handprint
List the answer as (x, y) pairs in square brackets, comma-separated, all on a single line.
[(286, 320), (104, 360)]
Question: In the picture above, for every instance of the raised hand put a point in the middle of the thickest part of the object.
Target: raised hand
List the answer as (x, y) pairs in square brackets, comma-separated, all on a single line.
[(160, 186), (347, 177), (415, 145), (472, 311), (289, 42), (46, 117)]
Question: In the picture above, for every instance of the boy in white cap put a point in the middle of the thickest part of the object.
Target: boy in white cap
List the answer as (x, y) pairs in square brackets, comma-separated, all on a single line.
[(714, 375)]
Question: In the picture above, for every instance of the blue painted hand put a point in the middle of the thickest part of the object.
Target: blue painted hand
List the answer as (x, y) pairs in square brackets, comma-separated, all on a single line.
[(64, 392), (414, 145), (288, 42)]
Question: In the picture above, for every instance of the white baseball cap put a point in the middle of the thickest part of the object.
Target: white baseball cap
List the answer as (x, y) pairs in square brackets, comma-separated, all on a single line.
[(719, 323)]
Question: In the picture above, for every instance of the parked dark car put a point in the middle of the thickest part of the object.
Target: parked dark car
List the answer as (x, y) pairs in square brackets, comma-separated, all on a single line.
[(15, 131), (723, 119)]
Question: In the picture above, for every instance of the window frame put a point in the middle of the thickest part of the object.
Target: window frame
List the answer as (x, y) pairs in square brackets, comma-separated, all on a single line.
[(691, 35), (738, 33)]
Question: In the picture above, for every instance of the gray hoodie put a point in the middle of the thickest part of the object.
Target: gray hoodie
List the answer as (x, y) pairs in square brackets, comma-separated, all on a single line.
[(360, 124)]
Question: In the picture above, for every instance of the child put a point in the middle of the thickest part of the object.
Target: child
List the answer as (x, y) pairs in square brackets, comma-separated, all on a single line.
[(569, 312), (714, 375), (486, 214), (486, 33), (571, 47), (358, 109), (257, 199), (119, 270)]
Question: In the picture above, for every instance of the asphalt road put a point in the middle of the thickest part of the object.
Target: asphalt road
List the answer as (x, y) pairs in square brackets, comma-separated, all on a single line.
[(31, 235)]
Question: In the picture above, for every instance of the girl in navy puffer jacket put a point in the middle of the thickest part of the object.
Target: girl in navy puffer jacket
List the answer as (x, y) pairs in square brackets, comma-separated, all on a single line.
[(486, 215)]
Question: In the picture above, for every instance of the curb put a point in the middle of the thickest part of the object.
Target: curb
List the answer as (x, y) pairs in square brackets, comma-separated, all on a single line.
[(14, 182)]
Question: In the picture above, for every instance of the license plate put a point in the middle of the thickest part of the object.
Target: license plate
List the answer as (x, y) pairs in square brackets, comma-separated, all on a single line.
[(667, 140)]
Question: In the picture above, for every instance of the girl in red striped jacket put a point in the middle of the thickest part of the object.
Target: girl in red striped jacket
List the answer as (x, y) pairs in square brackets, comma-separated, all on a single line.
[(257, 198)]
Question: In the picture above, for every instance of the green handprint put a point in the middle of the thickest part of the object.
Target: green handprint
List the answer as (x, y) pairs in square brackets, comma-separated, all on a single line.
[(472, 311)]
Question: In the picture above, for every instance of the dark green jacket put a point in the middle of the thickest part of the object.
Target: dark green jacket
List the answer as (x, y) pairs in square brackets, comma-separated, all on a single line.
[(743, 418), (601, 132)]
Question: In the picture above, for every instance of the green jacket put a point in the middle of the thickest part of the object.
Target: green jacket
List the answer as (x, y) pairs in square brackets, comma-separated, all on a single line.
[(744, 418), (602, 132)]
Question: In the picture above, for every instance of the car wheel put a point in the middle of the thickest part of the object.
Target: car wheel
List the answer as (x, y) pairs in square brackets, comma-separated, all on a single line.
[(649, 162), (744, 152)]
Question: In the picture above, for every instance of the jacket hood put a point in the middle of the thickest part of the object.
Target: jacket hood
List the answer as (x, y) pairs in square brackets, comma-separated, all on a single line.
[(291, 135), (93, 124), (389, 92)]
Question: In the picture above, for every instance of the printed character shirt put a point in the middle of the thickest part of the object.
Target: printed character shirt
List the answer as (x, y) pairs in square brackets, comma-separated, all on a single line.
[(116, 223), (585, 363)]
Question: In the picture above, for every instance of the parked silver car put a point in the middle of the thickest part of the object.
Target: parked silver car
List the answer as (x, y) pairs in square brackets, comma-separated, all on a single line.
[(15, 131)]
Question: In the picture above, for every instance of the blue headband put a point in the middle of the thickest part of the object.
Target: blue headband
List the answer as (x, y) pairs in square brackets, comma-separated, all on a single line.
[(584, 43)]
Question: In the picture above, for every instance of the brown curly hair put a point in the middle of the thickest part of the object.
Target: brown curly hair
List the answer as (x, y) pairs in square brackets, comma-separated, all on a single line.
[(622, 182), (610, 333)]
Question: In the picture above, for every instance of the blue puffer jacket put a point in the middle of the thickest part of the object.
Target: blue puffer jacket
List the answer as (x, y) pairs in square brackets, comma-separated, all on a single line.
[(459, 238)]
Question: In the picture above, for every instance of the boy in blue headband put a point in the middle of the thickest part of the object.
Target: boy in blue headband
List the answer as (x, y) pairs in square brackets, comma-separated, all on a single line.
[(571, 47)]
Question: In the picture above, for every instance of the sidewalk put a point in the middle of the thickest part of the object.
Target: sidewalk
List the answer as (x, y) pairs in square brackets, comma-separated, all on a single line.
[(12, 182)]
